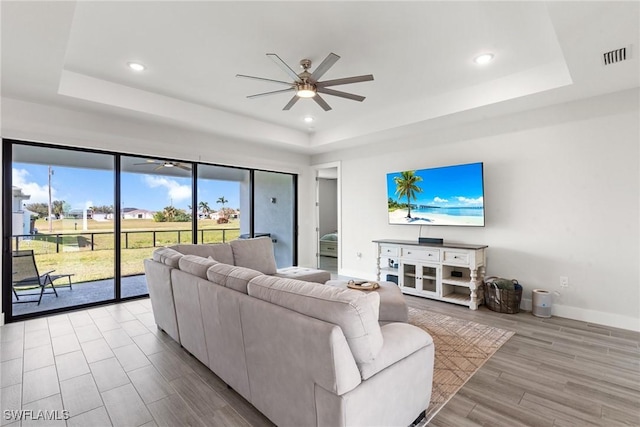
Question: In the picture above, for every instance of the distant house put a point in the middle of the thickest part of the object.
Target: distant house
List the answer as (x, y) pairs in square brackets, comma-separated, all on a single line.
[(22, 221), (224, 213), (79, 213), (137, 214), (101, 216)]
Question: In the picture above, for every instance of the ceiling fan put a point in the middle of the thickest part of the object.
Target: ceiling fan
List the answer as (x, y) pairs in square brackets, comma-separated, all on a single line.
[(307, 84), (164, 164)]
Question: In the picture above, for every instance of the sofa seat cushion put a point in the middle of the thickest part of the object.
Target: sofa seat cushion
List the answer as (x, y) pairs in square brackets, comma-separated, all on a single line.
[(167, 256), (196, 265), (256, 254), (353, 311), (231, 276), (400, 341), (221, 252), (304, 273)]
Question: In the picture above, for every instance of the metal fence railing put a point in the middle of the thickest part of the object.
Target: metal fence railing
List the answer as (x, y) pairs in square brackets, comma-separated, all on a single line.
[(104, 240)]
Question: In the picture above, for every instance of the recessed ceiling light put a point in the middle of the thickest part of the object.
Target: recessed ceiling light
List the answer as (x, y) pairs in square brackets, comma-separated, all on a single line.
[(136, 66), (308, 119), (485, 58)]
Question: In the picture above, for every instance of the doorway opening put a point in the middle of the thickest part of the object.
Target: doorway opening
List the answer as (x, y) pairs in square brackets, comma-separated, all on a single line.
[(328, 217)]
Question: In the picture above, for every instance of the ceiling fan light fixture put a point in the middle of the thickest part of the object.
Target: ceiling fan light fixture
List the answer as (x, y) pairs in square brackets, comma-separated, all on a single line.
[(308, 119), (305, 90), (136, 66), (168, 165), (483, 59)]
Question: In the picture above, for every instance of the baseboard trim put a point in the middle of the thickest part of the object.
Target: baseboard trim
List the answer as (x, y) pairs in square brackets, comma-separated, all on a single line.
[(585, 315), (590, 316)]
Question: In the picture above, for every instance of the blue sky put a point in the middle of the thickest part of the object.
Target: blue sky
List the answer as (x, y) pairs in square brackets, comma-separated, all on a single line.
[(95, 187), (450, 186)]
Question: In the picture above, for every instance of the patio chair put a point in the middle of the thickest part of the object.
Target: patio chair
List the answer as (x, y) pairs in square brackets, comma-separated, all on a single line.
[(25, 274)]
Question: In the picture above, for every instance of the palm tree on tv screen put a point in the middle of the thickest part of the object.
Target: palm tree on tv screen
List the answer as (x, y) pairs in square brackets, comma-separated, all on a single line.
[(406, 186)]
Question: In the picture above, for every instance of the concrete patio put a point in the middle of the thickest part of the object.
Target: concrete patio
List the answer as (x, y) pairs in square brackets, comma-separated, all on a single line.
[(82, 293)]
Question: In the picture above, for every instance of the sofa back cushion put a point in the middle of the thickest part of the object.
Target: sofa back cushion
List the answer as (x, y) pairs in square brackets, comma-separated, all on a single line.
[(196, 265), (256, 254), (167, 256), (231, 276), (220, 252), (354, 311)]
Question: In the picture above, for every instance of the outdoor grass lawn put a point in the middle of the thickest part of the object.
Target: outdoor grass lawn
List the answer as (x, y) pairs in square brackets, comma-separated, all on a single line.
[(73, 253)]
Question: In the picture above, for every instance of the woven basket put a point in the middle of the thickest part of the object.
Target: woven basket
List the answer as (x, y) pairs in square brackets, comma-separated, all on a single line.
[(502, 300)]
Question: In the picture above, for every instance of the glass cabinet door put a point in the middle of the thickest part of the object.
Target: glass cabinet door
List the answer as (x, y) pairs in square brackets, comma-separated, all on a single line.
[(423, 278), (429, 278), (409, 276)]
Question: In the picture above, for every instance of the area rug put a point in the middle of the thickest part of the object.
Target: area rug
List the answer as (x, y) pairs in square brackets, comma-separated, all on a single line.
[(462, 347)]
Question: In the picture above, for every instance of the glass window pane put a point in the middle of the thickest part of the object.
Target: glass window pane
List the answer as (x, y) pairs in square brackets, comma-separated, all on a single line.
[(223, 203), (61, 200), (155, 198)]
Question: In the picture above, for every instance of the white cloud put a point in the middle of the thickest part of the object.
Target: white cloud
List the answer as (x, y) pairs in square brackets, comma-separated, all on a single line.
[(39, 193), (175, 191), (468, 201), (439, 200)]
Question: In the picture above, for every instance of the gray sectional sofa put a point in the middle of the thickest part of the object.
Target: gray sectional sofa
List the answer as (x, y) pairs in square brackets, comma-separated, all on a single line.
[(302, 353)]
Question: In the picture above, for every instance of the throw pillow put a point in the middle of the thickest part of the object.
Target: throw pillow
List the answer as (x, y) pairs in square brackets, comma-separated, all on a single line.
[(256, 254)]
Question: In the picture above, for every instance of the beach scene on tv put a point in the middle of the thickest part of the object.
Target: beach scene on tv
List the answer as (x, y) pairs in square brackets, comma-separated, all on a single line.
[(451, 195)]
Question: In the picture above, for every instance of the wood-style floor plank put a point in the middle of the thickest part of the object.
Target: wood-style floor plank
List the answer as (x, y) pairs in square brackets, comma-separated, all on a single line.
[(572, 373), (112, 366)]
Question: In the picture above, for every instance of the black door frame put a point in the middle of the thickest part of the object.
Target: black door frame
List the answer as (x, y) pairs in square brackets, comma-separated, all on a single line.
[(7, 161)]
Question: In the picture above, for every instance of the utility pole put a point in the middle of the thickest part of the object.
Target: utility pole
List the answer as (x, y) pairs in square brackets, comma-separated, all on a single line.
[(50, 210)]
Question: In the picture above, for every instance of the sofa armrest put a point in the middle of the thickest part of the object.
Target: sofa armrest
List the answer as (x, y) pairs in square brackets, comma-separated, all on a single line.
[(400, 341), (158, 278)]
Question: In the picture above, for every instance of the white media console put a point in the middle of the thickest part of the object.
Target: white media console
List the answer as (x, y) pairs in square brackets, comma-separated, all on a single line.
[(451, 272)]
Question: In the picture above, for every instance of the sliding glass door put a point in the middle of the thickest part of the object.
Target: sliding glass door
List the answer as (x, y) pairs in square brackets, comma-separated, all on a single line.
[(61, 228), (223, 203), (155, 210), (78, 224)]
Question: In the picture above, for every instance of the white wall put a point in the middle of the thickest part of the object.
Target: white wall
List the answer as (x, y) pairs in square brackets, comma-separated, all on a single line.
[(36, 122), (562, 191)]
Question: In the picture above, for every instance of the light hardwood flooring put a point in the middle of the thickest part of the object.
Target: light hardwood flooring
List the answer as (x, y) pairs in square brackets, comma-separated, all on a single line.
[(111, 366), (552, 372)]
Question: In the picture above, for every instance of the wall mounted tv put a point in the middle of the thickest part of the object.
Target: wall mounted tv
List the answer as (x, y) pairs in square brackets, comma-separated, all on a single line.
[(450, 195)]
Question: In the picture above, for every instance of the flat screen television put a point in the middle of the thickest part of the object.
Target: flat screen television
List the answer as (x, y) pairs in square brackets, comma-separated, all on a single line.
[(450, 195)]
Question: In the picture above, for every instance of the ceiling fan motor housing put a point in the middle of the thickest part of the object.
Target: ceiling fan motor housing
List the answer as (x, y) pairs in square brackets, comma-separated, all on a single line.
[(308, 85), (305, 64)]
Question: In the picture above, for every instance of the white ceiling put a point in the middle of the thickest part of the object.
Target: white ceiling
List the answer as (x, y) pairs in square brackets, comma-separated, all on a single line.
[(421, 54)]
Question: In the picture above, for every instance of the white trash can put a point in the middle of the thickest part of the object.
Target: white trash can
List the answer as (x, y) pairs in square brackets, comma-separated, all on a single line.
[(541, 303)]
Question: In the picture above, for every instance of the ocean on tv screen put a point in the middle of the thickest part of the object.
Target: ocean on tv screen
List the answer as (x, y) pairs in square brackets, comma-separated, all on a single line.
[(451, 195)]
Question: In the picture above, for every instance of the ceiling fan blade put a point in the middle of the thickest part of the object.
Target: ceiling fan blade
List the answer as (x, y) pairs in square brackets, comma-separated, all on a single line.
[(263, 79), (346, 80), (341, 94), (258, 95), (145, 163), (159, 167), (183, 167), (321, 102), (280, 63), (323, 67), (291, 103)]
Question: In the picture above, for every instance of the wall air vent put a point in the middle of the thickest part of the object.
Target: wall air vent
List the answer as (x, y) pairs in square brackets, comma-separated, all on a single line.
[(617, 55)]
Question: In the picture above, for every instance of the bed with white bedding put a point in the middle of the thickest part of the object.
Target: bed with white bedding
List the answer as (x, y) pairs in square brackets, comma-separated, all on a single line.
[(329, 245)]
